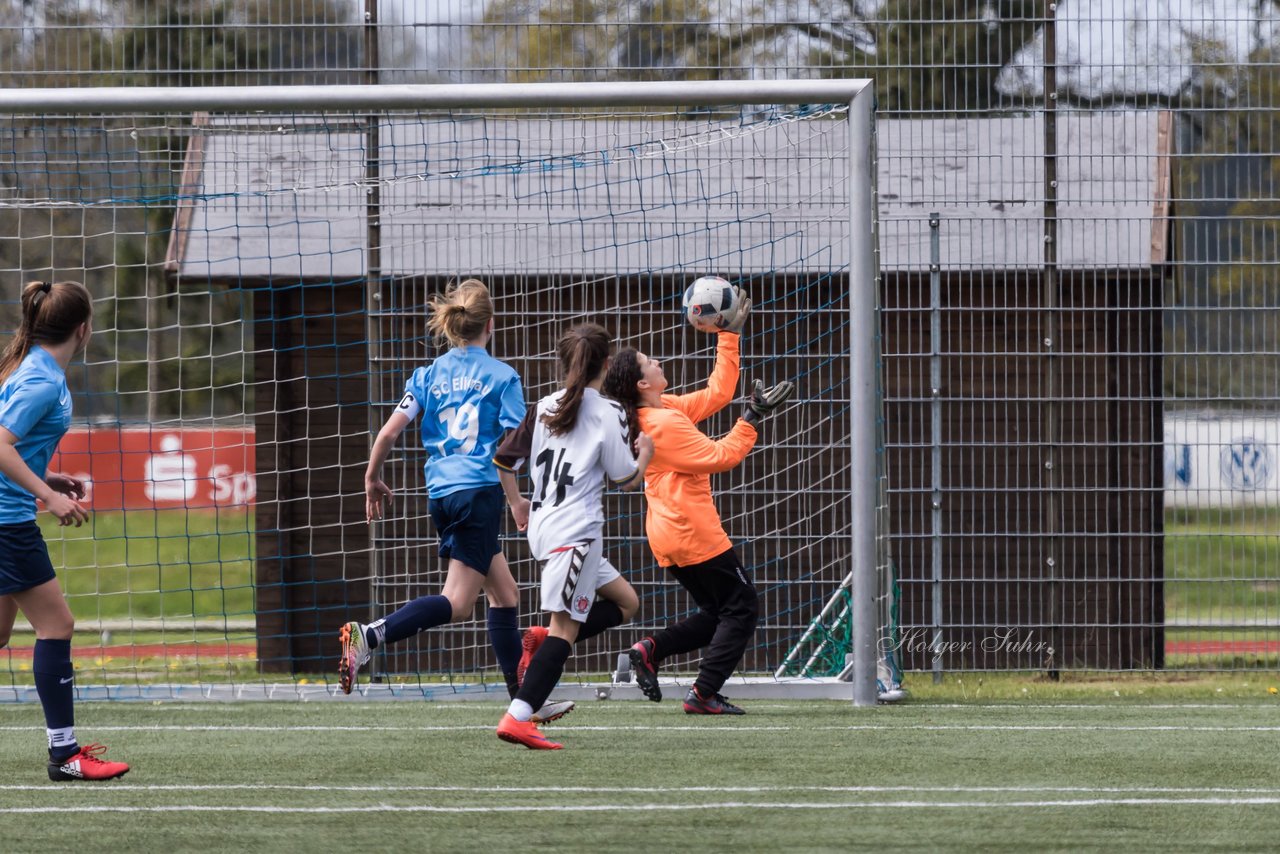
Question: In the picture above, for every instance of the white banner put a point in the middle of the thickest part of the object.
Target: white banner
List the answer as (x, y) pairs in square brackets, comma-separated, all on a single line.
[(1221, 460)]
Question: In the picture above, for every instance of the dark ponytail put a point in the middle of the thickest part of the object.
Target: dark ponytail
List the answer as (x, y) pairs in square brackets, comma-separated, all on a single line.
[(51, 314), (620, 384), (583, 351)]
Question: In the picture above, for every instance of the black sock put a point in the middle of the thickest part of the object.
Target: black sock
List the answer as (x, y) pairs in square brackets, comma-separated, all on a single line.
[(603, 615), (544, 672), (55, 677), (504, 635)]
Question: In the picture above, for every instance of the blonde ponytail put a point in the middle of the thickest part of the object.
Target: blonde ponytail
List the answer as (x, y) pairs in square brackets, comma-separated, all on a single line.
[(462, 313)]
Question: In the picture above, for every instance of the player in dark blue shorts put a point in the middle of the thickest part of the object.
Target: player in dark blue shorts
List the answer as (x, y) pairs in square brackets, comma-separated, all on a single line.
[(35, 412), (467, 399)]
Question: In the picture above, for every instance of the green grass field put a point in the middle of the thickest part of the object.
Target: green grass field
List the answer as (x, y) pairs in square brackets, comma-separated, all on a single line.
[(1181, 767), (1222, 564), (149, 564)]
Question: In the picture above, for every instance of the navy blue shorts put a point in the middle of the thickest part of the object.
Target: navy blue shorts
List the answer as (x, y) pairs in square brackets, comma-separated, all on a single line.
[(468, 522), (24, 558)]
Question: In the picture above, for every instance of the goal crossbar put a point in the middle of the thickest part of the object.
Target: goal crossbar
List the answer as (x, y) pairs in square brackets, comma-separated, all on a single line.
[(175, 99)]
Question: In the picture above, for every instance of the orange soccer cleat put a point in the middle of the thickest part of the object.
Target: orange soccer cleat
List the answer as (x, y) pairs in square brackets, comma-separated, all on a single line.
[(355, 654), (526, 733), (532, 639)]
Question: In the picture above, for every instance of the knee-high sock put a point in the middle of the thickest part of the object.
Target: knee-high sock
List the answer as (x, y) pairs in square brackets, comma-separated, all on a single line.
[(544, 672), (425, 612), (603, 615), (504, 636), (55, 685)]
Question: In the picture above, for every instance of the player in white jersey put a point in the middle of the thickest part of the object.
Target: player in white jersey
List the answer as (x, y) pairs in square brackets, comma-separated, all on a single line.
[(574, 441)]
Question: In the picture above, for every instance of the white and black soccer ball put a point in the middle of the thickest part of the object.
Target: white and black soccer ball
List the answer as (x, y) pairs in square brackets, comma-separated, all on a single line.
[(711, 303)]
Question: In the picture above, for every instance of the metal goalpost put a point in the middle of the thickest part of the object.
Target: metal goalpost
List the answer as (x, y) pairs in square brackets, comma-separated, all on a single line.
[(858, 258)]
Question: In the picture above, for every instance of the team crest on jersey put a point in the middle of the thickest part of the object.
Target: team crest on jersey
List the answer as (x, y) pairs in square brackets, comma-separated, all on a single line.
[(581, 604)]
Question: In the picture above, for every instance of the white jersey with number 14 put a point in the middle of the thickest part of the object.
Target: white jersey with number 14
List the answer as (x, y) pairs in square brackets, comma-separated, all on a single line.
[(569, 471)]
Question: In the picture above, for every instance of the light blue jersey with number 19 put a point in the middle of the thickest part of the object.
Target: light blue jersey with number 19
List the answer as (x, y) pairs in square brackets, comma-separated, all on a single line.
[(467, 399)]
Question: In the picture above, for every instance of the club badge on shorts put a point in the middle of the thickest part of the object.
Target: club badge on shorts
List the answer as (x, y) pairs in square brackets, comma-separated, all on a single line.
[(581, 604)]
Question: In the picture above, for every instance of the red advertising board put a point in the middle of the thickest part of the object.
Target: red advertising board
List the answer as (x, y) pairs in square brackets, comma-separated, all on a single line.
[(144, 468)]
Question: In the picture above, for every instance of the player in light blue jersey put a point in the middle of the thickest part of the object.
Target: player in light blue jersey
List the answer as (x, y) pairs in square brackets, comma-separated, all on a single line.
[(35, 412), (467, 400)]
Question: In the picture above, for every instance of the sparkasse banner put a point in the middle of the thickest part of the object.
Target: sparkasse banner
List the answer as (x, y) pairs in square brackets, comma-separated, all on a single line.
[(134, 468)]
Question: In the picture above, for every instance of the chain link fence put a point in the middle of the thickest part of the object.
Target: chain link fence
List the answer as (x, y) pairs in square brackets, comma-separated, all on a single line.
[(1081, 330)]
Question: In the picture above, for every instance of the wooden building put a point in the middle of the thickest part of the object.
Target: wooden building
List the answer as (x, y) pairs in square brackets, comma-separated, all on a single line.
[(285, 214)]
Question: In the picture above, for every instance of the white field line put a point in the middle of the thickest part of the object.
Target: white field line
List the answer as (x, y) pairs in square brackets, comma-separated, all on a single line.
[(725, 730), (631, 807), (960, 790), (485, 705)]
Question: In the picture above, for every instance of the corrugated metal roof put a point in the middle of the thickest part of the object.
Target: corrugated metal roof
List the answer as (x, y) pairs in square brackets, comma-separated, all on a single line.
[(589, 196)]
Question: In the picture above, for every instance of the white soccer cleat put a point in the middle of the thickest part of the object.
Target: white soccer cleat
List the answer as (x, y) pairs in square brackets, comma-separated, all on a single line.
[(891, 693), (355, 654), (553, 710)]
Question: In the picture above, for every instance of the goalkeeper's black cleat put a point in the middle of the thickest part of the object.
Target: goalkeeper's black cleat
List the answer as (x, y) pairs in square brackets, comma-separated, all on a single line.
[(645, 666), (696, 704)]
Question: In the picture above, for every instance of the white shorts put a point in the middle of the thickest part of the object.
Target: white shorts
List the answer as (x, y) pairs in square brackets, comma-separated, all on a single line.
[(571, 575)]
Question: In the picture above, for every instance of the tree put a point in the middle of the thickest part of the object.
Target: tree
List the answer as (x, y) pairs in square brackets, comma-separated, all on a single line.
[(944, 55), (937, 55)]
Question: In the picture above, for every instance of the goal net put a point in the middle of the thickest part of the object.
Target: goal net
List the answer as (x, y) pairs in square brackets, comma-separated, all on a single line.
[(261, 266)]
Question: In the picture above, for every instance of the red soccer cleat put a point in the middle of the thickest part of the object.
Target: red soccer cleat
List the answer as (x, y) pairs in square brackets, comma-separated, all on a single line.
[(533, 638), (526, 733), (645, 667), (86, 765), (716, 704)]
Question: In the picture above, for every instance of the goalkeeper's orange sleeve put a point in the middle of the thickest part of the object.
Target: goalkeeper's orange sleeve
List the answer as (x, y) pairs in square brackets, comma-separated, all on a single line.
[(721, 386)]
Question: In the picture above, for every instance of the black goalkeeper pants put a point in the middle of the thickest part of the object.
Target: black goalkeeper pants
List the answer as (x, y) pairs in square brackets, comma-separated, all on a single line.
[(728, 610)]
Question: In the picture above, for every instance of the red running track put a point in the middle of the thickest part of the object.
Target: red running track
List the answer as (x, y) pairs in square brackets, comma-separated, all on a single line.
[(152, 650)]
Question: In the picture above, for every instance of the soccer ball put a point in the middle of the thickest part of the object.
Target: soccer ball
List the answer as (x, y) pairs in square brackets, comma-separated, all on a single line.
[(711, 303)]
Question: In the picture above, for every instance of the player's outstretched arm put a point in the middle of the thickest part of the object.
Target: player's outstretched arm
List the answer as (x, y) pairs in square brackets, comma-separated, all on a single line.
[(722, 385)]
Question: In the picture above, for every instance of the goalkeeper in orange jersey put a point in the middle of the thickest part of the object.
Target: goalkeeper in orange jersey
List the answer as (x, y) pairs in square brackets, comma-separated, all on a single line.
[(682, 525)]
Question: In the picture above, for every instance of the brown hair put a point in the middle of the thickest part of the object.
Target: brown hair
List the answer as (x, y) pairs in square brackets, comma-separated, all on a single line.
[(51, 313), (462, 313), (620, 384), (583, 351)]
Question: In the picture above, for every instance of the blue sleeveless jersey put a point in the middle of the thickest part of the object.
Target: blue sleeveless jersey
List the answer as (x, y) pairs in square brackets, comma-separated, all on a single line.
[(35, 406), (468, 399)]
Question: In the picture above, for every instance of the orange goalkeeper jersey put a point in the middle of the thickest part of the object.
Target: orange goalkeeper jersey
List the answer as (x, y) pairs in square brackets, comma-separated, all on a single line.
[(682, 524)]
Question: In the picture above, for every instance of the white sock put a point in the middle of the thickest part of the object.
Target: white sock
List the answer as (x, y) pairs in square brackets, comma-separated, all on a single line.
[(62, 738), (520, 710)]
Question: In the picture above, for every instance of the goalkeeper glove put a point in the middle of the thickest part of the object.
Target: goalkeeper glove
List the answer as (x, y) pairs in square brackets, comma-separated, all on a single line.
[(744, 309), (764, 400)]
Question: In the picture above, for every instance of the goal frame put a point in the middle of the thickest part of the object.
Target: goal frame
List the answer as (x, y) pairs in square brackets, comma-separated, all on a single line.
[(858, 94)]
